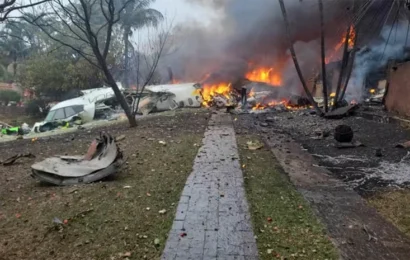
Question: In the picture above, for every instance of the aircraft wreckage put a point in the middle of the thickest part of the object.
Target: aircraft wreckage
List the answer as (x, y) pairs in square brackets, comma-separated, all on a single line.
[(102, 159), (101, 102)]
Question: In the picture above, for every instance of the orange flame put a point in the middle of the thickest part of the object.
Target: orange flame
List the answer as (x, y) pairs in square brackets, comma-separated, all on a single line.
[(175, 81), (251, 93), (208, 92), (338, 46), (258, 106), (265, 75), (272, 103)]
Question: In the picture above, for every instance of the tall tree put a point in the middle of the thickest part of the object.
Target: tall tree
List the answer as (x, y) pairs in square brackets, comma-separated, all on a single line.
[(295, 60), (81, 29), (137, 14), (16, 42), (323, 52)]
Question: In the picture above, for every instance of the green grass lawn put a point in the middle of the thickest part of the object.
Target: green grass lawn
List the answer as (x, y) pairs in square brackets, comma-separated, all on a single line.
[(283, 222), (394, 206)]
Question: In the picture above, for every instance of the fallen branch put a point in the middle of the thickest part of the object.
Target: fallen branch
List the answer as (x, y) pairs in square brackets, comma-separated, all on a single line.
[(5, 124), (11, 160)]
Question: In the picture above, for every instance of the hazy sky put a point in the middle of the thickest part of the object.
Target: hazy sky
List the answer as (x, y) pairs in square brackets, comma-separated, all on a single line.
[(183, 11)]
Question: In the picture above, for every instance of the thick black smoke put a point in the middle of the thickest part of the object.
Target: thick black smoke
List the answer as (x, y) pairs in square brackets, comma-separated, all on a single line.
[(253, 31)]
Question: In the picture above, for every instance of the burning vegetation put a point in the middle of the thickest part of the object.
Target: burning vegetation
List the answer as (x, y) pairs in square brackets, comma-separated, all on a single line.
[(335, 54)]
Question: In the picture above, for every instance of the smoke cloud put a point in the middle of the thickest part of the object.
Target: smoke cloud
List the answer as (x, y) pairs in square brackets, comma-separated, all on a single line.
[(252, 33), (389, 46)]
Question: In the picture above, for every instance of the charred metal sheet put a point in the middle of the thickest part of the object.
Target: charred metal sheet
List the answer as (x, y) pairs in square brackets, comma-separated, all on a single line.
[(341, 112), (102, 159)]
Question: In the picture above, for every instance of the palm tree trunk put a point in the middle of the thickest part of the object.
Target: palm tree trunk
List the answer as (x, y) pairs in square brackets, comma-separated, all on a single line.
[(351, 65), (343, 67), (322, 48), (126, 82), (295, 61)]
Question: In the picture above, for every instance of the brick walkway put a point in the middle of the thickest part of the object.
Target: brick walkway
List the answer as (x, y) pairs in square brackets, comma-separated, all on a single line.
[(212, 219)]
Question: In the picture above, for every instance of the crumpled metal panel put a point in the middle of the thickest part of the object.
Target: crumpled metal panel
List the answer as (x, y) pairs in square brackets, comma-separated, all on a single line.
[(68, 170)]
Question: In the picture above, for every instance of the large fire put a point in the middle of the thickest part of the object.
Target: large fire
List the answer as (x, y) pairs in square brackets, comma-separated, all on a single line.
[(265, 75), (261, 74), (209, 92), (340, 44), (214, 93)]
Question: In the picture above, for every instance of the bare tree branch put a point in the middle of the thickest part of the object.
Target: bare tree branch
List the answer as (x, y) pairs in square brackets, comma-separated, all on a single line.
[(9, 6), (162, 40), (67, 25), (70, 15), (77, 25), (86, 56)]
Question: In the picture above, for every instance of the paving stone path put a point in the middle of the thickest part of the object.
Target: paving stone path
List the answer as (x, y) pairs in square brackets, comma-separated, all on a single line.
[(212, 219)]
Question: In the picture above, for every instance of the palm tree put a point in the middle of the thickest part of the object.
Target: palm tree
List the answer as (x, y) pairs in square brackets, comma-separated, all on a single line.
[(136, 15)]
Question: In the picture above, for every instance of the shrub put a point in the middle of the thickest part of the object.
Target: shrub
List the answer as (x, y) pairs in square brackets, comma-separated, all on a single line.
[(37, 108), (9, 95)]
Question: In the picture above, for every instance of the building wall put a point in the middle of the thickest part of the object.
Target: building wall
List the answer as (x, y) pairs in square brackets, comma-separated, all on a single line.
[(398, 96)]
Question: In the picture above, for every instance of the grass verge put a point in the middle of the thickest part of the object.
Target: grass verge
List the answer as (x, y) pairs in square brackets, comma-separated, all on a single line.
[(394, 206), (285, 226)]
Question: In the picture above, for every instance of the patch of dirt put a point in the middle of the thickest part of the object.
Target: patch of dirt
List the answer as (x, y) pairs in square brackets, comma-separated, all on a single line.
[(113, 219)]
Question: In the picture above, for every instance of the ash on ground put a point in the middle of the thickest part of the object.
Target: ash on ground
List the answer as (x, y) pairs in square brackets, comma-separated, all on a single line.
[(373, 164)]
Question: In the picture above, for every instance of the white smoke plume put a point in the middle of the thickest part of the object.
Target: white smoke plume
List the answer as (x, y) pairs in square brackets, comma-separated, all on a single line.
[(389, 46)]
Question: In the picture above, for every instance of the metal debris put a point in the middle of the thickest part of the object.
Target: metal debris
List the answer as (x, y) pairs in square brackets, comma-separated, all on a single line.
[(254, 145), (103, 158), (349, 145), (342, 112)]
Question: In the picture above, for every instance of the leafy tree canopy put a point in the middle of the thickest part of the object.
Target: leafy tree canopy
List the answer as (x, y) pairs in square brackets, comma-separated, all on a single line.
[(51, 75)]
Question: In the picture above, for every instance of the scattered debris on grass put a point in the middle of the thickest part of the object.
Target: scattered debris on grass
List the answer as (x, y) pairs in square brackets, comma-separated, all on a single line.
[(254, 145), (120, 138)]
